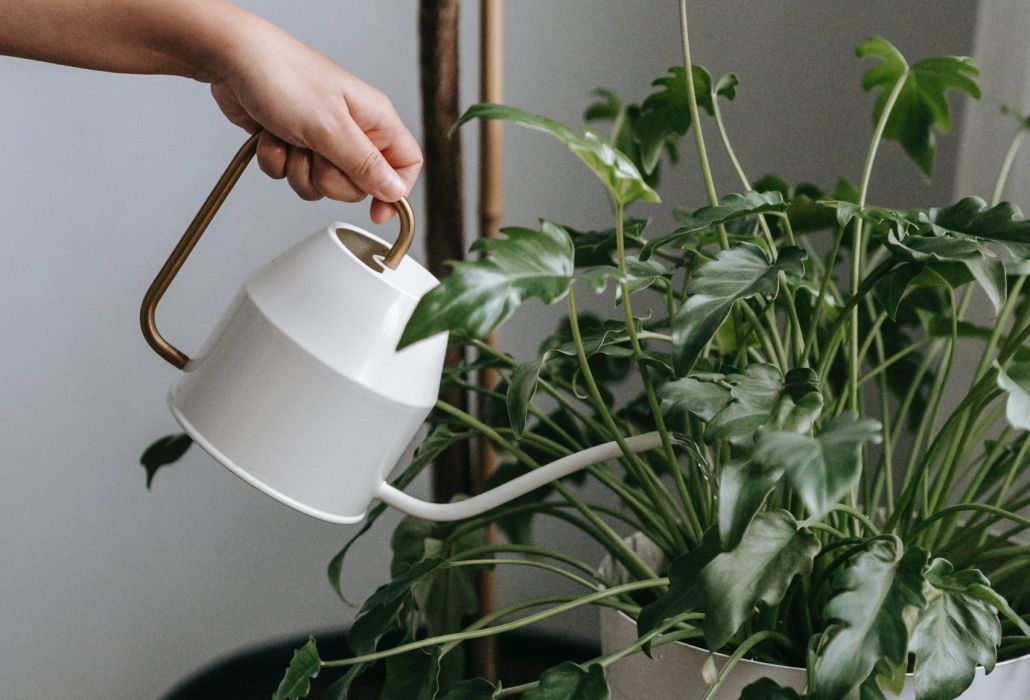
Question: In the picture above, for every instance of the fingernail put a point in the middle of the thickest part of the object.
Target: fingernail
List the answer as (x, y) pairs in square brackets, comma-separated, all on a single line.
[(393, 188)]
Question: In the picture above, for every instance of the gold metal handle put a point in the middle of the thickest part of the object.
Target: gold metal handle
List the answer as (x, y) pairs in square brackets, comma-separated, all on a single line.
[(196, 229)]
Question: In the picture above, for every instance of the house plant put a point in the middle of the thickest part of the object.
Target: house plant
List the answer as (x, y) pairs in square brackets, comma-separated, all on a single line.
[(816, 503)]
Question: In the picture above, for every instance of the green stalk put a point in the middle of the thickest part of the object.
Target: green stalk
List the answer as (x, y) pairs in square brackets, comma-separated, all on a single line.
[(858, 248), (693, 525), (590, 585), (813, 329), (499, 629), (695, 121), (737, 655), (529, 550), (744, 181), (642, 471), (627, 555), (1006, 165)]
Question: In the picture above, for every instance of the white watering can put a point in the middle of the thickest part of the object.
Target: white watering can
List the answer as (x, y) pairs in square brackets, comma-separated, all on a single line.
[(300, 390)]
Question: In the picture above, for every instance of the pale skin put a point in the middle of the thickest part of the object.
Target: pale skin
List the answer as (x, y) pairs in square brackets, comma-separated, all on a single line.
[(325, 131)]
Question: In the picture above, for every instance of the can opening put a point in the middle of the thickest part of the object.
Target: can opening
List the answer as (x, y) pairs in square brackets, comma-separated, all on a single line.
[(365, 249)]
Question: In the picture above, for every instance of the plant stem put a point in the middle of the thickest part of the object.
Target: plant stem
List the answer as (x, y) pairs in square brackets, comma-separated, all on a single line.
[(813, 329), (695, 122), (1006, 165), (640, 469), (505, 627), (625, 554), (458, 563), (858, 246), (738, 654), (693, 525)]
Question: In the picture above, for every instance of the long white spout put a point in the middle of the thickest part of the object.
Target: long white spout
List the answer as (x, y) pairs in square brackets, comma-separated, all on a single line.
[(519, 486)]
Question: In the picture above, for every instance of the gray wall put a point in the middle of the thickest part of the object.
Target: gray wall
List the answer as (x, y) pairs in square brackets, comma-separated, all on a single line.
[(111, 591)]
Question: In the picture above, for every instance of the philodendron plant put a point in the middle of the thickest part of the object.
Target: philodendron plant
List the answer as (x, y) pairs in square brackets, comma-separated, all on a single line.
[(817, 502)]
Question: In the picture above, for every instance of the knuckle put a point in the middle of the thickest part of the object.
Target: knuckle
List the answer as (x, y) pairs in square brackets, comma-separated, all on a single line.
[(370, 165)]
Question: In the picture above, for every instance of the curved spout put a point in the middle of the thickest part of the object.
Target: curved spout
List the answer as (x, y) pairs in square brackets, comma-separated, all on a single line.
[(519, 486)]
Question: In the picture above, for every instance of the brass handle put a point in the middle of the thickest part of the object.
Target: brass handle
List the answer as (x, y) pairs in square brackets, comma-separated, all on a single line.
[(196, 229)]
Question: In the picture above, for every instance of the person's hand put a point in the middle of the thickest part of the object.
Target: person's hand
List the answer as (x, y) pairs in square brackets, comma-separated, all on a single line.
[(327, 132)]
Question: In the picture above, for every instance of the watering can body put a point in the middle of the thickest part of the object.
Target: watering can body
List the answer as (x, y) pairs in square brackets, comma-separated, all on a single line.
[(299, 390)]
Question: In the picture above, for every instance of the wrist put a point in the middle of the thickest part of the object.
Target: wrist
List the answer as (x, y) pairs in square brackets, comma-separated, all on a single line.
[(214, 45)]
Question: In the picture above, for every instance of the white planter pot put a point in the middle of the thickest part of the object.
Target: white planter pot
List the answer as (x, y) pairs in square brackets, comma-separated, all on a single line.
[(675, 671)]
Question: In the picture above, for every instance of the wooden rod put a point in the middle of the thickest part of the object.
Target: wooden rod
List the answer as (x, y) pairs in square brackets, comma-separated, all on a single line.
[(491, 72), (442, 177)]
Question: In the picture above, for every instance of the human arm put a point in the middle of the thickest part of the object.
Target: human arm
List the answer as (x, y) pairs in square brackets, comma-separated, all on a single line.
[(326, 131)]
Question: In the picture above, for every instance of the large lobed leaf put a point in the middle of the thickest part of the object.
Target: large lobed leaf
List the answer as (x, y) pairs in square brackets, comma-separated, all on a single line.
[(730, 208), (957, 631), (944, 253), (737, 273), (611, 166), (922, 104), (684, 594), (771, 553), (821, 469), (665, 115), (480, 295), (877, 593), (970, 216)]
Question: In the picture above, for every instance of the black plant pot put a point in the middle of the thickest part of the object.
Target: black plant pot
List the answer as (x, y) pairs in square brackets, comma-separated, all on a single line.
[(255, 674)]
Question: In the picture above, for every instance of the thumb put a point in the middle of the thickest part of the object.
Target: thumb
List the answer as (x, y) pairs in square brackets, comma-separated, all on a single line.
[(350, 150)]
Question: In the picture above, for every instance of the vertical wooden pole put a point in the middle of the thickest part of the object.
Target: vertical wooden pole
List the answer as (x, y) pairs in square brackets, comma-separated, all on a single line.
[(442, 178), (491, 52)]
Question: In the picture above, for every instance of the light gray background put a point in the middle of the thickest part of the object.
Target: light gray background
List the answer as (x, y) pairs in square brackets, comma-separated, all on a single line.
[(107, 590)]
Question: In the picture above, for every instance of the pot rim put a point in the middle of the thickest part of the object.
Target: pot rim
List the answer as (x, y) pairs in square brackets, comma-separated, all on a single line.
[(801, 669)]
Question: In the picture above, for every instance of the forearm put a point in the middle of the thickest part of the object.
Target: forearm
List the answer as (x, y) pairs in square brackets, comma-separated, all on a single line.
[(191, 38)]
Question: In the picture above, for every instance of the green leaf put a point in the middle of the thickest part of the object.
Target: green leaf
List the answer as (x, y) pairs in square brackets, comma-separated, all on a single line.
[(444, 595), (824, 468), (743, 487), (956, 632), (612, 167), (970, 216), (167, 450), (998, 602), (438, 440), (693, 395), (755, 394), (379, 612), (768, 689), (472, 689), (738, 273), (922, 104), (521, 389), (478, 296), (607, 108), (878, 592), (570, 681), (683, 594), (599, 247), (1024, 121), (732, 206), (414, 675), (977, 258), (304, 666), (665, 115), (1016, 381), (772, 552)]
